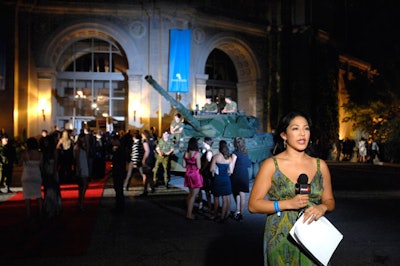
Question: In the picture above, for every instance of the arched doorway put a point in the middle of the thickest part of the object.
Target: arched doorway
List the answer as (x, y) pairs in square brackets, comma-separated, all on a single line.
[(91, 85), (222, 78), (240, 60)]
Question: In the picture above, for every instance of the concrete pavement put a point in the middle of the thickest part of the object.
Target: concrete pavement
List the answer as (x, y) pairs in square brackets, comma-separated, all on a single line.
[(154, 231)]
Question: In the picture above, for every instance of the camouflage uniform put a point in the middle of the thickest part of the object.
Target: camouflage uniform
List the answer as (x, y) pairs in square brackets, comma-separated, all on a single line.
[(164, 149), (178, 126), (210, 107), (231, 107)]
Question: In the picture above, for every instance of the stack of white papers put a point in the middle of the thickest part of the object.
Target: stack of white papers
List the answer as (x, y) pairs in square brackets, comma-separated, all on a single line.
[(320, 237)]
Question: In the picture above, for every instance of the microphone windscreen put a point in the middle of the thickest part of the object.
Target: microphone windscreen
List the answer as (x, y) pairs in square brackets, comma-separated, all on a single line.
[(303, 179)]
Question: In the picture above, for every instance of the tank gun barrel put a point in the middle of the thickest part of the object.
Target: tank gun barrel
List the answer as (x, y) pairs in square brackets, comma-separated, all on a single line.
[(178, 106)]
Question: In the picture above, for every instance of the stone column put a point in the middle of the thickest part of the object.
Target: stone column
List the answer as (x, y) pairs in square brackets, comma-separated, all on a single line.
[(247, 97), (138, 110), (45, 102), (199, 93), (251, 100)]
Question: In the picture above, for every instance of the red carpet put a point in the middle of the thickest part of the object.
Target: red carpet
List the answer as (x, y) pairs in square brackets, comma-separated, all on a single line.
[(66, 235)]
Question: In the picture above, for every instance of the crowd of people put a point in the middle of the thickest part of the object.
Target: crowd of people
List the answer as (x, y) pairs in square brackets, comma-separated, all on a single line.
[(212, 179), (362, 151), (52, 159), (218, 177), (64, 157)]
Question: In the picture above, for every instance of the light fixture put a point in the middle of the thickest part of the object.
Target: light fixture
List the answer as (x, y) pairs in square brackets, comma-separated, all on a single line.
[(42, 108)]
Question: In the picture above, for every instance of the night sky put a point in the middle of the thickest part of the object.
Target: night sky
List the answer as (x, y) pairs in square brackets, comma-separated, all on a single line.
[(370, 30)]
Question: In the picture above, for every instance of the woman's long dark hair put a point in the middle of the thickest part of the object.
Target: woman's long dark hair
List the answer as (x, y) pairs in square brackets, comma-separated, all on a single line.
[(81, 142), (49, 148), (32, 144), (147, 134), (193, 145), (282, 127), (224, 149)]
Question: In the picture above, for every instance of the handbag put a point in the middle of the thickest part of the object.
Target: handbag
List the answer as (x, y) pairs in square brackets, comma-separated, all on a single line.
[(320, 238)]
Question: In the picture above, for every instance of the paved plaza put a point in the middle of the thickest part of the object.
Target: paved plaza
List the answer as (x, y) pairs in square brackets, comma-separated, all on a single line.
[(154, 231)]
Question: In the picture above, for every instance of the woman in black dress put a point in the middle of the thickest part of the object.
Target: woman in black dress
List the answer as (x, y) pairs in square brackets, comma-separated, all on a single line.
[(240, 177), (65, 158)]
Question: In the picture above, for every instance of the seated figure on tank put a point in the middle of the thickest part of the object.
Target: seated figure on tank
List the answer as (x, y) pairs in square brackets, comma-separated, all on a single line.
[(176, 127), (230, 107), (210, 107)]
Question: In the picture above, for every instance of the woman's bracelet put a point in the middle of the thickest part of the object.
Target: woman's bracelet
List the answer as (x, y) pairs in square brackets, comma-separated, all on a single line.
[(276, 207)]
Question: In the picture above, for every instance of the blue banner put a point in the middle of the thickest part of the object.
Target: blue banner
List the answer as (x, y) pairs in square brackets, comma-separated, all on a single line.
[(179, 60)]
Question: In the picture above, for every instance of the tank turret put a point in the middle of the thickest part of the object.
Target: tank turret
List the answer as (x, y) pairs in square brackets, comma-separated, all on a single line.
[(226, 125), (221, 126)]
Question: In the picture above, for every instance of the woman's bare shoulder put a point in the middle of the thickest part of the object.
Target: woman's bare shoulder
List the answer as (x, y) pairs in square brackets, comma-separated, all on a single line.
[(323, 164), (269, 162)]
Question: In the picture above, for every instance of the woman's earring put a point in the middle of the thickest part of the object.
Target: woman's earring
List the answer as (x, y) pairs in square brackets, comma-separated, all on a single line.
[(284, 144)]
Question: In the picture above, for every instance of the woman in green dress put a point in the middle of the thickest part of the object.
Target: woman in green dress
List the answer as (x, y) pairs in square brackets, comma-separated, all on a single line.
[(274, 192)]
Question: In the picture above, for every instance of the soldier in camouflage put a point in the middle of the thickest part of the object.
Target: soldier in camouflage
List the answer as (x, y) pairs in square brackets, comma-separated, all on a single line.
[(164, 149)]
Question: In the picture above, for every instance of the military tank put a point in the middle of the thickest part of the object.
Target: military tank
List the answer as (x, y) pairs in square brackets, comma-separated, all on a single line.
[(218, 127)]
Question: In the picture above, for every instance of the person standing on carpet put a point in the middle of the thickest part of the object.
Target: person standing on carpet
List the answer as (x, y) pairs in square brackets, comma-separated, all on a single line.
[(82, 169), (8, 158), (99, 161), (31, 178), (118, 173), (65, 157), (51, 184)]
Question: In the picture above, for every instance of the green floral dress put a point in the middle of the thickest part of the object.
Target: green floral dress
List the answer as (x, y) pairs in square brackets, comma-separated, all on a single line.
[(279, 248)]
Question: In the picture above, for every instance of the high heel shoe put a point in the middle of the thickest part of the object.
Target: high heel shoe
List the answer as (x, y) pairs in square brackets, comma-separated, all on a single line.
[(237, 216)]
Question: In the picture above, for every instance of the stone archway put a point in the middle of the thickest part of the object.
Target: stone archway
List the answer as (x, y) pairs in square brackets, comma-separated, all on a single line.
[(70, 34), (64, 38), (247, 67)]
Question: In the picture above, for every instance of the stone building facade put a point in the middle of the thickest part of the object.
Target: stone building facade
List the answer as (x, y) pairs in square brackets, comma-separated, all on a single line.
[(75, 64), (62, 52)]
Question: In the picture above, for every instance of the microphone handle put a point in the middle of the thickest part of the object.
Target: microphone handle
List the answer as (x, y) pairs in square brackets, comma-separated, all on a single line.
[(303, 189)]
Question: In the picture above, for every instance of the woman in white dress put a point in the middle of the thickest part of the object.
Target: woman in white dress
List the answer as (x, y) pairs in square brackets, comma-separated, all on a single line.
[(362, 151), (31, 178)]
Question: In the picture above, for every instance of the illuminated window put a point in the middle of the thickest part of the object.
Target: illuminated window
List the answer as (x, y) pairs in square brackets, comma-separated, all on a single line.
[(90, 83)]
